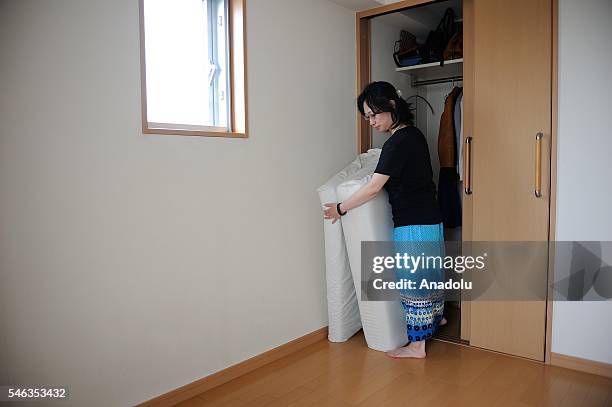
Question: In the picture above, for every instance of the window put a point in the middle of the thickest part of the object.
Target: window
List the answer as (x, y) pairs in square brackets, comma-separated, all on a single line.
[(193, 73)]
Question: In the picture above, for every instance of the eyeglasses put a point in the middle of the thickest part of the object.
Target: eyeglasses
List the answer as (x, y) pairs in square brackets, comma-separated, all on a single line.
[(367, 117)]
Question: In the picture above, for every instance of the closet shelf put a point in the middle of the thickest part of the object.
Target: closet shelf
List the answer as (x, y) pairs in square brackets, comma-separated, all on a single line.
[(426, 74)]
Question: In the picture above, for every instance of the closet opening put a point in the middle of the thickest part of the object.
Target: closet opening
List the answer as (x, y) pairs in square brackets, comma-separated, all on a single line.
[(403, 48)]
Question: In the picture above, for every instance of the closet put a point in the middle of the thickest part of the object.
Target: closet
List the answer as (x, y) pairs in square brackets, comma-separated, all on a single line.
[(505, 74)]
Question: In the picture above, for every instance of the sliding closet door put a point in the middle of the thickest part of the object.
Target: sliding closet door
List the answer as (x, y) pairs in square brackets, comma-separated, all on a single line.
[(512, 103)]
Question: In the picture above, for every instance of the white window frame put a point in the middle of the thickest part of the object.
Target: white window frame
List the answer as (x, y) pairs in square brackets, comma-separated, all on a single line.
[(236, 85)]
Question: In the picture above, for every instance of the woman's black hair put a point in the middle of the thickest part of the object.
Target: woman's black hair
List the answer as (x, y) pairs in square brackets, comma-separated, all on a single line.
[(379, 95)]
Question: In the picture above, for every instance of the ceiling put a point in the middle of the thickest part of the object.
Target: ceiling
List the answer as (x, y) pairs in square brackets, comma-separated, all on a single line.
[(358, 5)]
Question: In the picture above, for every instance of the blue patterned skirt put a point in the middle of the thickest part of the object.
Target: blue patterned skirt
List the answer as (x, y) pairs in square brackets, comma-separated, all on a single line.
[(424, 307)]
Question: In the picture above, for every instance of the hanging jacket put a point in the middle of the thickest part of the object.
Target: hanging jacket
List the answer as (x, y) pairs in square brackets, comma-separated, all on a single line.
[(446, 135), (448, 193), (459, 134)]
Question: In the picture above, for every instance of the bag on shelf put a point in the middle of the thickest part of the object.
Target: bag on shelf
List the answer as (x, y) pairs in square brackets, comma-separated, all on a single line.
[(433, 49), (406, 49), (454, 49)]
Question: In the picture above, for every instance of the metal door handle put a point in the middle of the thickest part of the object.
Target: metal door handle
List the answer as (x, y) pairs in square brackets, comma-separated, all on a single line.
[(467, 165), (538, 165)]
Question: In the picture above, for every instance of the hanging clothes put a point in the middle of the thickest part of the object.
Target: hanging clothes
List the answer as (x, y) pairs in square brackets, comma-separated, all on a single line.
[(458, 113), (448, 194), (446, 134)]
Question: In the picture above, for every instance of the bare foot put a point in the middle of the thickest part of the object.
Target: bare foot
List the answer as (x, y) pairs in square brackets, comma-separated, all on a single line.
[(413, 350), (442, 322)]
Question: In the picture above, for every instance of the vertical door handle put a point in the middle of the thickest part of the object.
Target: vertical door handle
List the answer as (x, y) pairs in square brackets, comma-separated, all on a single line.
[(467, 166), (538, 165)]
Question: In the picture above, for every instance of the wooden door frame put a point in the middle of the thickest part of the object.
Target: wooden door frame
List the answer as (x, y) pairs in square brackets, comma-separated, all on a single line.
[(364, 134)]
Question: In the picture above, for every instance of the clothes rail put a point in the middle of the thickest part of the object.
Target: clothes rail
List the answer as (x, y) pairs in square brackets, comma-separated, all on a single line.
[(457, 78)]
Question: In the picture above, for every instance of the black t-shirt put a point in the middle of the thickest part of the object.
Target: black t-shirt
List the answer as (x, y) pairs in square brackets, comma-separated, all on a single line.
[(412, 192)]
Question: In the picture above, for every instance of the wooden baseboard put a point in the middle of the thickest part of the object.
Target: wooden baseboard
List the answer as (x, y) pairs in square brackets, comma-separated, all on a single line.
[(217, 379), (582, 365)]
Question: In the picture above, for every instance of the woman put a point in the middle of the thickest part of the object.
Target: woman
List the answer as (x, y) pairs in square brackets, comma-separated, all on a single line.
[(404, 170)]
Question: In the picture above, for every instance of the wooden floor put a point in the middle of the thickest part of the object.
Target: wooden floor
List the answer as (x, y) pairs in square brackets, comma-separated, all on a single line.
[(350, 374)]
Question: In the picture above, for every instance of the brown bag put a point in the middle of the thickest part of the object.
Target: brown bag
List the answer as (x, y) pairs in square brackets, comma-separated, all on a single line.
[(454, 49), (406, 47)]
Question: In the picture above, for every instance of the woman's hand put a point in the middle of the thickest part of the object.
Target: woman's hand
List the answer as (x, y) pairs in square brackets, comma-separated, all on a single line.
[(331, 212), (365, 193)]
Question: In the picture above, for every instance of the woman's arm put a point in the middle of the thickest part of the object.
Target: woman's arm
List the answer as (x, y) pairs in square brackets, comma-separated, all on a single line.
[(365, 193)]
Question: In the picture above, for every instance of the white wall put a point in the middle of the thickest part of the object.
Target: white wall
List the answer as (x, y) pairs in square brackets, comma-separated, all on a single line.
[(130, 264), (584, 169)]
